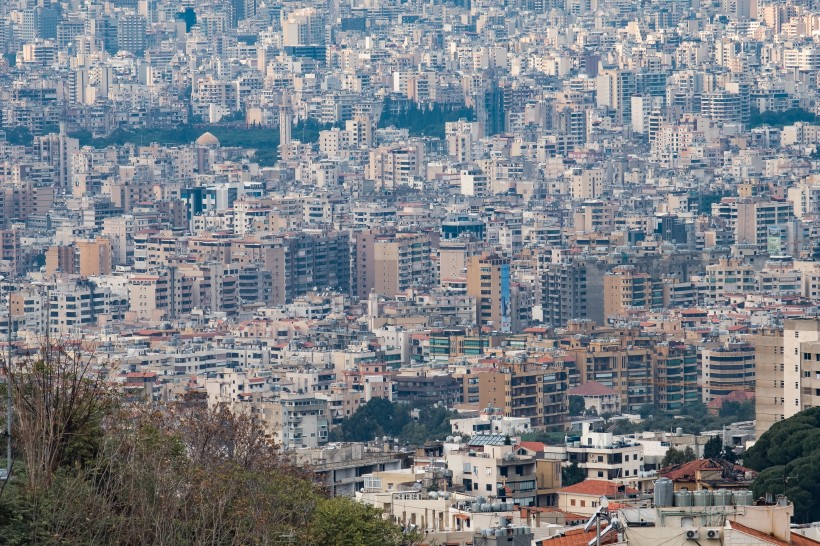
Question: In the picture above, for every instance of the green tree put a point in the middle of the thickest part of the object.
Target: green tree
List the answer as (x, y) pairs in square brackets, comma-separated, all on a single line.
[(646, 411), (672, 457), (576, 405), (788, 459), (713, 448), (728, 454), (342, 521), (572, 474), (675, 456), (95, 471)]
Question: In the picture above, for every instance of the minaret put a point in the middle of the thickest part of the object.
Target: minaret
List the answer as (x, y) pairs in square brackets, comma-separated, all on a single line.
[(285, 127)]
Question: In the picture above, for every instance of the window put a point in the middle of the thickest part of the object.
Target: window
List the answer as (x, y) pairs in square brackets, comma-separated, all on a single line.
[(583, 503), (572, 502), (489, 487)]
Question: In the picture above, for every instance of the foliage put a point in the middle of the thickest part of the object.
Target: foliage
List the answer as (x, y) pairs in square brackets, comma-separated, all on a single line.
[(556, 437), (780, 119), (576, 405), (646, 411), (341, 521), (264, 140), (740, 411), (19, 135), (96, 472), (572, 474), (694, 419), (713, 448), (422, 121), (788, 459), (60, 397), (381, 417), (675, 456)]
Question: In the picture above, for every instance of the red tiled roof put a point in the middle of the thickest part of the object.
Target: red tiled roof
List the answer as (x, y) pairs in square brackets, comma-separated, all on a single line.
[(687, 471), (596, 487), (734, 396), (532, 446), (591, 388)]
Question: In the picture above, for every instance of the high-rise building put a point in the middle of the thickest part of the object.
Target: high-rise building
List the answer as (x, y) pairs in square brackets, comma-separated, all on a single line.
[(787, 371), (572, 290), (488, 281), (303, 27), (726, 368), (615, 88), (131, 33), (401, 260), (526, 390), (627, 289)]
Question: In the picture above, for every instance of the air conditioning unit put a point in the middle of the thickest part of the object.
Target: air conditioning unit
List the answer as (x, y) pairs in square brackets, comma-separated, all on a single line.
[(692, 534), (713, 534)]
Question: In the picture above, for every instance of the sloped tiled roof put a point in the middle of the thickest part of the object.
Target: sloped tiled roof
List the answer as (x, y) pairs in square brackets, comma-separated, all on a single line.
[(688, 471), (596, 487)]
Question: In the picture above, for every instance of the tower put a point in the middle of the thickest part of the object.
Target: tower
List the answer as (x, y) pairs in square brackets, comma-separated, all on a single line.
[(285, 128)]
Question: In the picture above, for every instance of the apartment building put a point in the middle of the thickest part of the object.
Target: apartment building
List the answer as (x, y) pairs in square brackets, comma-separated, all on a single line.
[(488, 280), (626, 289), (728, 276), (726, 368), (526, 390), (624, 368), (787, 371), (490, 468), (600, 454), (400, 261)]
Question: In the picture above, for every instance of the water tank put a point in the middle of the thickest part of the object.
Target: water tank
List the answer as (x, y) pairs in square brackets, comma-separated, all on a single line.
[(510, 506), (683, 498), (433, 495), (702, 498), (664, 490), (679, 431), (486, 507), (445, 495), (480, 500), (475, 507), (722, 497), (496, 507), (743, 497)]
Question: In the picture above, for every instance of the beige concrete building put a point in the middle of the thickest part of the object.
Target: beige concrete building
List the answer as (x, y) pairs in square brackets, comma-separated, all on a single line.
[(94, 257), (488, 280), (726, 368), (401, 261), (627, 289), (788, 369)]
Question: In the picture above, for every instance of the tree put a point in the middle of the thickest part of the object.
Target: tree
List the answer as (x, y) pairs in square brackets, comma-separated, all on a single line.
[(675, 457), (97, 471), (341, 521), (60, 397), (576, 405), (728, 454), (646, 411), (572, 474), (786, 456), (713, 448)]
